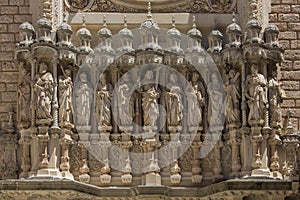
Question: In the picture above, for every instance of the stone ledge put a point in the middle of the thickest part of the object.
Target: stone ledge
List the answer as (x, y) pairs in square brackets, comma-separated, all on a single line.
[(230, 185)]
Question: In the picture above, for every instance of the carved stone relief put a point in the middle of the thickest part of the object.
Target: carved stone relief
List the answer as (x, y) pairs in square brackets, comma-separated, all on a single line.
[(194, 6)]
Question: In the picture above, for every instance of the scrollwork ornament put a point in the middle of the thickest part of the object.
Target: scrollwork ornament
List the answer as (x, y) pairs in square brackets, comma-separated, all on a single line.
[(221, 6), (76, 5)]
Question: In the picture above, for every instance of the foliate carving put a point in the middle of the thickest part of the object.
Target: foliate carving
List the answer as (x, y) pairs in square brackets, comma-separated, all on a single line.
[(4, 196), (195, 6), (75, 158), (185, 162), (77, 5)]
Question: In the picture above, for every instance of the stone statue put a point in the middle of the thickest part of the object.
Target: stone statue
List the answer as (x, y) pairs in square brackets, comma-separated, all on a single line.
[(232, 97), (150, 94), (83, 101), (24, 95), (43, 88), (255, 92), (215, 112), (173, 102), (125, 103), (103, 101), (275, 98), (195, 101), (65, 97)]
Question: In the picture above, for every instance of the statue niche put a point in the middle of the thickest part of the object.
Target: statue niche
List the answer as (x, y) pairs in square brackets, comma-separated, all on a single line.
[(232, 97), (150, 95), (24, 95), (65, 86), (83, 101), (103, 101), (173, 102), (255, 92), (43, 90), (125, 102), (196, 102), (276, 93)]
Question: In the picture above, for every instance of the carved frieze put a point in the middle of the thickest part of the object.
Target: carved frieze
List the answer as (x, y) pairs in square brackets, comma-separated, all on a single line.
[(194, 6)]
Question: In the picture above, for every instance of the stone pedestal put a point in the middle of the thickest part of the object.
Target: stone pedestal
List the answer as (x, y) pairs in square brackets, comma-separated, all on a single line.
[(153, 179)]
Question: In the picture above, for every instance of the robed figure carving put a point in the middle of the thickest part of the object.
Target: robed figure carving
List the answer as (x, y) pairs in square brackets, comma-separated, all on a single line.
[(125, 101), (43, 89), (216, 101), (83, 101), (255, 92), (150, 94), (233, 97), (65, 86), (103, 101), (276, 93), (24, 95), (173, 102), (195, 101)]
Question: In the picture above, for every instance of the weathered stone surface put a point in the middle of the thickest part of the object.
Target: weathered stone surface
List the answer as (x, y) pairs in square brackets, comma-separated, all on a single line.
[(288, 17)]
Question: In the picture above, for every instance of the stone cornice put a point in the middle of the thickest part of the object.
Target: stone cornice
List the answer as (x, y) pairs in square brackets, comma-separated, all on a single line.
[(244, 186)]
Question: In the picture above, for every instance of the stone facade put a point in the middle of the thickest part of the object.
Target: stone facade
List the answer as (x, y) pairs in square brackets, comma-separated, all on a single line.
[(83, 115)]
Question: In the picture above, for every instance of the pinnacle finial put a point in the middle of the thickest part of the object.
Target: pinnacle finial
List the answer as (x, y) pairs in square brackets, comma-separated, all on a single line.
[(64, 17), (83, 21), (125, 21), (104, 21), (253, 9), (149, 11), (233, 18), (47, 9), (173, 21), (194, 22)]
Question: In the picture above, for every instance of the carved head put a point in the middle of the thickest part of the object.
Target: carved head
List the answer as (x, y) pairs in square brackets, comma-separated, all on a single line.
[(68, 72), (173, 78), (254, 69), (195, 77), (102, 79), (83, 77), (149, 75), (231, 73), (43, 67)]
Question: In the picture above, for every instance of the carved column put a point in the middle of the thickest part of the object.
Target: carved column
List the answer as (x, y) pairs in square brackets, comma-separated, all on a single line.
[(65, 165), (196, 169), (274, 140), (55, 99), (235, 142), (24, 141), (84, 169), (291, 142), (32, 97)]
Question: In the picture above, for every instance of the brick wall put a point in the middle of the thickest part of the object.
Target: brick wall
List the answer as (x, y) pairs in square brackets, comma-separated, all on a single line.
[(285, 13), (12, 14)]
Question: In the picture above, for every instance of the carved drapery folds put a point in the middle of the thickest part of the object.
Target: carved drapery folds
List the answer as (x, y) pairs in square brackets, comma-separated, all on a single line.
[(108, 111)]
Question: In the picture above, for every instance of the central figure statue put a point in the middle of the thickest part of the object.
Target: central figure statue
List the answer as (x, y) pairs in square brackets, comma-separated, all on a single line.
[(150, 94)]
